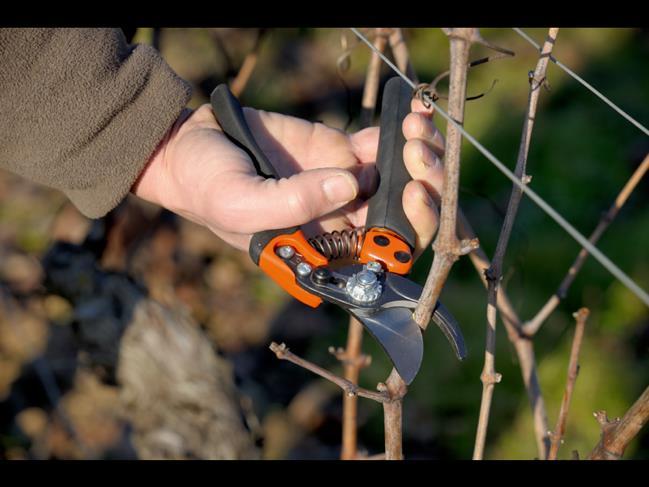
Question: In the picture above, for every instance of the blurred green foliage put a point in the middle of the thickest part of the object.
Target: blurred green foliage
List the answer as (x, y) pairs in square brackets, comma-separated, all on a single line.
[(581, 155)]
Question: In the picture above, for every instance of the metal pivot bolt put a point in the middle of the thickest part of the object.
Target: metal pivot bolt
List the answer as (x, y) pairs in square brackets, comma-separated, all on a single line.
[(286, 251), (304, 269), (374, 266), (364, 286)]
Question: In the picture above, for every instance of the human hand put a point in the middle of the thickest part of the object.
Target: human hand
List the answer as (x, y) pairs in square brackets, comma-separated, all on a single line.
[(325, 175)]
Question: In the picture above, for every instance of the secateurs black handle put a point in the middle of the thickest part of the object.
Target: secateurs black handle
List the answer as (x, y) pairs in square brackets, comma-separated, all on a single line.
[(385, 208), (229, 114)]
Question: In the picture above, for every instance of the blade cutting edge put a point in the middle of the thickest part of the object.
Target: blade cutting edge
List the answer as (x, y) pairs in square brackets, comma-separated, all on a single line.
[(400, 337)]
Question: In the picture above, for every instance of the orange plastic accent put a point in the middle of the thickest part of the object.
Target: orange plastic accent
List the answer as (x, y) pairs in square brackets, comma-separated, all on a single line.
[(385, 254), (273, 265)]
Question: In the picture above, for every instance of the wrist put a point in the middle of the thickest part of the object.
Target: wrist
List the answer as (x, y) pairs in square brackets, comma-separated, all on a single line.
[(152, 183)]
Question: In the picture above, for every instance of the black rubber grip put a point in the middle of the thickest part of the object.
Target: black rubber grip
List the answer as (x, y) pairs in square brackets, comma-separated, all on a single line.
[(386, 205), (229, 114)]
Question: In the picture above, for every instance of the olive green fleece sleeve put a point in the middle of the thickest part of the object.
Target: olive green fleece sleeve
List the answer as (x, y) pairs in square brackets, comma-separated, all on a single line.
[(82, 111)]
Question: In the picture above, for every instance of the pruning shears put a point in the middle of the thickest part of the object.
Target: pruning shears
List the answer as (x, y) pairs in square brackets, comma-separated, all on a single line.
[(369, 281)]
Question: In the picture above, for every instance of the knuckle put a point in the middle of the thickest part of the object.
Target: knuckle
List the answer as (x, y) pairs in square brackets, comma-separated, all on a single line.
[(300, 206)]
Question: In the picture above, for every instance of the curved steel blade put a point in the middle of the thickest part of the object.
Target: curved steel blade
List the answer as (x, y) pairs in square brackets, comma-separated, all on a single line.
[(388, 319), (451, 329), (400, 337), (406, 293)]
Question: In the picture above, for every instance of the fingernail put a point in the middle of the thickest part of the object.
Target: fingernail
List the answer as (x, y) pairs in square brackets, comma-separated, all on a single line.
[(339, 189)]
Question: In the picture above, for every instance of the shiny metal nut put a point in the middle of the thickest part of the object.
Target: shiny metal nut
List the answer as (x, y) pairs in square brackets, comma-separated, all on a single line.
[(304, 269), (374, 266), (286, 251), (366, 278), (364, 287)]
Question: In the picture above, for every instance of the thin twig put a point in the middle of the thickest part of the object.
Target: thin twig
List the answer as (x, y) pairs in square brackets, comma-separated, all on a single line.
[(523, 345), (352, 353), (247, 67), (489, 376), (283, 353), (371, 88), (573, 369), (401, 55), (394, 386), (447, 246), (353, 360), (617, 434), (229, 65), (396, 389), (532, 326), (588, 86)]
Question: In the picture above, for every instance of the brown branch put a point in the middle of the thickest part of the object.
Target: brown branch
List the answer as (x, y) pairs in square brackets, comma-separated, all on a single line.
[(394, 386), (617, 434), (489, 376), (573, 369), (239, 83), (522, 344), (371, 87), (282, 352), (396, 389), (401, 55), (495, 271), (220, 45), (532, 326), (447, 246), (353, 360), (352, 354)]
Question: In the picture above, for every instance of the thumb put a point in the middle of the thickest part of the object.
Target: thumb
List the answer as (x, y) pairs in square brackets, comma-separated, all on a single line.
[(263, 204)]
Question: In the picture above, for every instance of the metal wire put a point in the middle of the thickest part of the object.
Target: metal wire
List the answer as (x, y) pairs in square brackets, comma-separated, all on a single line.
[(572, 231), (585, 83)]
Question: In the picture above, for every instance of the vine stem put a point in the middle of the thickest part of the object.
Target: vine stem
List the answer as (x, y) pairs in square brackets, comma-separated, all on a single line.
[(394, 386), (573, 369), (523, 344), (489, 376), (401, 55), (248, 66), (353, 361), (283, 353), (617, 434), (447, 246), (396, 389), (371, 88)]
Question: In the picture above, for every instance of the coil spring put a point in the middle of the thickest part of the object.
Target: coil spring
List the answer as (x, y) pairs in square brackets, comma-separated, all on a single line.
[(339, 245)]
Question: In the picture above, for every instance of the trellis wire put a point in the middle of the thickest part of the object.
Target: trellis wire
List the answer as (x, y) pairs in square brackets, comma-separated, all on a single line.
[(628, 117), (573, 232)]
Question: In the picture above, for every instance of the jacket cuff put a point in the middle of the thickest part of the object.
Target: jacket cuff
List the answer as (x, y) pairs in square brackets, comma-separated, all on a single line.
[(136, 132)]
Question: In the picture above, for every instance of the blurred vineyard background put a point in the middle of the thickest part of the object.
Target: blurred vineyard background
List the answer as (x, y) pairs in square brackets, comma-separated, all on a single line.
[(582, 153)]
